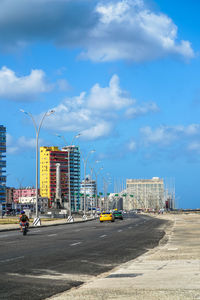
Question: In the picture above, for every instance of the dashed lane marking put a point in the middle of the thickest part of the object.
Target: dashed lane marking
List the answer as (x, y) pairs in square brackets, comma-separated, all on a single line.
[(53, 234), (11, 259), (3, 236), (104, 235), (78, 243)]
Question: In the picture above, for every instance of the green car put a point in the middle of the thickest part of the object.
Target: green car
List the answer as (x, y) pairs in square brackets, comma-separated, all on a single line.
[(118, 215)]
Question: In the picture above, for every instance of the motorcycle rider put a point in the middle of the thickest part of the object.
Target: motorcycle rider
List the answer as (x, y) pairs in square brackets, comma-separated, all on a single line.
[(23, 218)]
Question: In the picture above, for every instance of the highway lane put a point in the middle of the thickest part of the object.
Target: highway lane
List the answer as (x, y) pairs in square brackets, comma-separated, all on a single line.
[(50, 260)]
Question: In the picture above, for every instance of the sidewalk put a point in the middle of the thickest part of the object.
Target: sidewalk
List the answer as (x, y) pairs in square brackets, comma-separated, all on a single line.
[(8, 227), (170, 271)]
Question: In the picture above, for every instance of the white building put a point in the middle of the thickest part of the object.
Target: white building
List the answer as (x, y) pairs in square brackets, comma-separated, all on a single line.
[(89, 187), (144, 193)]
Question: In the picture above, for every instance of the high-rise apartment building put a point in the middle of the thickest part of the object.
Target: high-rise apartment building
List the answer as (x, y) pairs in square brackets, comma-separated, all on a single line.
[(2, 164), (145, 193), (49, 158), (74, 175), (60, 176)]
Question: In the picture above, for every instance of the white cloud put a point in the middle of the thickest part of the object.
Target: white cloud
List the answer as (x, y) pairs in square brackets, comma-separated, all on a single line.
[(143, 109), (106, 30), (111, 97), (21, 88), (128, 30), (96, 113), (132, 146), (21, 144), (168, 135), (98, 130)]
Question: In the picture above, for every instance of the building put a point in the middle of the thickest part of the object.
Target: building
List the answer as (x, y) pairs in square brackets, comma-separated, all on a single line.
[(144, 194), (60, 176), (2, 164), (10, 195), (50, 159), (23, 192), (89, 187), (74, 175)]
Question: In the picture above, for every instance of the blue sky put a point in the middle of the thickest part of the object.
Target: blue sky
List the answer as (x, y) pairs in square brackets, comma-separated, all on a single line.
[(124, 73)]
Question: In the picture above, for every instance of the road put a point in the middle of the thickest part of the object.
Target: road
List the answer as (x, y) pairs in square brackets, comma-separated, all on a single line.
[(54, 259)]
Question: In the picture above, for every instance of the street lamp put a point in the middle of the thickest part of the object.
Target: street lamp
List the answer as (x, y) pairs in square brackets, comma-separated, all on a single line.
[(37, 130), (65, 141), (85, 164)]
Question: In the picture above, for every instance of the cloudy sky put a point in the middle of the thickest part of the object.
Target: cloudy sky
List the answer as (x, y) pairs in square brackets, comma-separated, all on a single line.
[(123, 73)]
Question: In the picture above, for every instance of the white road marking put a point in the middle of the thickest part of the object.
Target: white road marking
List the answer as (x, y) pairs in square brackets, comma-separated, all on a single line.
[(172, 249), (78, 243), (2, 236), (11, 259), (102, 236), (12, 242), (119, 230), (36, 230), (53, 234)]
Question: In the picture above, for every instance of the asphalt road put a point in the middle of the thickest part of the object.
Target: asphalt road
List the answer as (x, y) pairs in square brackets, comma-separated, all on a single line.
[(54, 259)]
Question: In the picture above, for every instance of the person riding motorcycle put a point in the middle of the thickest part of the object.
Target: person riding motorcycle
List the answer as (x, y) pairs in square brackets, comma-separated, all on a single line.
[(23, 218)]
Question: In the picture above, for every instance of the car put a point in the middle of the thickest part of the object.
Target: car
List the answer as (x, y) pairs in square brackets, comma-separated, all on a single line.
[(106, 216), (118, 215)]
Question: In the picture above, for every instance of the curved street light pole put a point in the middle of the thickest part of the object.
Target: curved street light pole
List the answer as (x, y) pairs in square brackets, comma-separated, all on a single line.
[(37, 130)]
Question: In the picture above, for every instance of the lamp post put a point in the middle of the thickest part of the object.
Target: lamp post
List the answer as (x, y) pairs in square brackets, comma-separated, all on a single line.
[(85, 164), (37, 130)]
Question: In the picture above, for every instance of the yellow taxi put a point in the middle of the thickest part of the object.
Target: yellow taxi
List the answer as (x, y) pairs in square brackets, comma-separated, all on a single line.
[(106, 216)]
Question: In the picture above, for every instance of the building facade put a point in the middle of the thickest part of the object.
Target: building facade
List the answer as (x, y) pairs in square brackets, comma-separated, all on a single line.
[(10, 195), (50, 158), (74, 175), (24, 192), (2, 164), (64, 164), (89, 187), (144, 194)]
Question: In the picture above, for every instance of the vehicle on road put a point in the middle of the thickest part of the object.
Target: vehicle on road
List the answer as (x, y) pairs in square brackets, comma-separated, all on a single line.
[(106, 216), (118, 215), (24, 226)]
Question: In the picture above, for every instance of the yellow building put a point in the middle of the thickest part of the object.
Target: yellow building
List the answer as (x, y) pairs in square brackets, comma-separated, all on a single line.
[(45, 170)]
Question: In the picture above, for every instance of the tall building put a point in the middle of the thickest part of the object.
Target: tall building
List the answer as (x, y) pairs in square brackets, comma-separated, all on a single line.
[(74, 175), (2, 164), (9, 195), (144, 193), (50, 157), (89, 187), (60, 176)]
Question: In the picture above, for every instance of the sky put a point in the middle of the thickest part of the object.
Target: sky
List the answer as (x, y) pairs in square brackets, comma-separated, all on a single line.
[(123, 73)]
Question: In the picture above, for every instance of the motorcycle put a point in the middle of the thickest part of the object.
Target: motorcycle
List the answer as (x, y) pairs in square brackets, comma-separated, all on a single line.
[(24, 228)]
